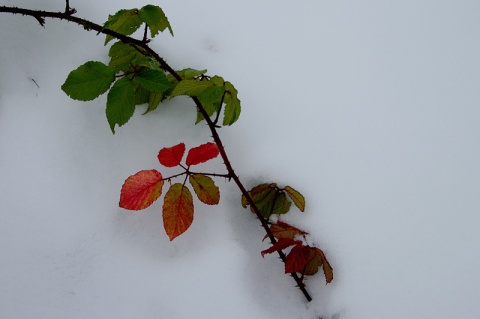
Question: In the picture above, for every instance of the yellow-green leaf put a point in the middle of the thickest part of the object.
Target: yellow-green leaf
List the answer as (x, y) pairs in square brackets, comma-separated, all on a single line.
[(205, 189)]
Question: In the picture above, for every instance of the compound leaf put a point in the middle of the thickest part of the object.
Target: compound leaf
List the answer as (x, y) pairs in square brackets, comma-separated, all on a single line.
[(140, 190), (153, 80), (202, 153), (205, 189), (120, 103), (171, 156), (155, 18), (124, 22), (177, 210), (296, 197), (89, 81)]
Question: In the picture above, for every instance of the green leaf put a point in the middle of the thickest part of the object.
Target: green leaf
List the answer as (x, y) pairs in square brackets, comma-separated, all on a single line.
[(153, 80), (153, 102), (210, 99), (120, 103), (281, 205), (191, 87), (189, 73), (263, 196), (211, 95), (142, 96), (232, 105), (155, 18), (123, 56), (124, 22), (205, 189), (296, 197), (88, 81)]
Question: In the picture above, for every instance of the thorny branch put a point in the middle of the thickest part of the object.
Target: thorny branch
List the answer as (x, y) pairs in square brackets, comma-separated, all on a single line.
[(40, 16)]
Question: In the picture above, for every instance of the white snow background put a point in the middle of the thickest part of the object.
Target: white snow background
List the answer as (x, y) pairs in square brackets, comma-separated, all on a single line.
[(370, 108)]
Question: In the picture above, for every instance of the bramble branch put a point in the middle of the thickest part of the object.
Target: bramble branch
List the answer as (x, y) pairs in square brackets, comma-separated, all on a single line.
[(142, 46)]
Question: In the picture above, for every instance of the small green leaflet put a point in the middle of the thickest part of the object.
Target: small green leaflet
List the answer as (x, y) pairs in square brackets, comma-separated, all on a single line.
[(155, 18), (124, 22), (153, 80), (88, 81), (120, 103), (232, 105), (191, 87)]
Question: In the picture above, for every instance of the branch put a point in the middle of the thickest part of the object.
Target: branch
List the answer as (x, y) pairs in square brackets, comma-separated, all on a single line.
[(88, 25)]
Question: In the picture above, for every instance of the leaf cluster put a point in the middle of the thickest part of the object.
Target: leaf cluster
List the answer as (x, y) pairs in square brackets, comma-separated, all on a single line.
[(133, 77), (143, 188), (271, 200)]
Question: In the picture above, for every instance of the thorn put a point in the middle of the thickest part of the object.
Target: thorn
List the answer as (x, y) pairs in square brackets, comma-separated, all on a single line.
[(40, 20)]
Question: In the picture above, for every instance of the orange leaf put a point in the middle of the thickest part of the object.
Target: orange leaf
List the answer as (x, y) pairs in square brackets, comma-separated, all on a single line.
[(177, 210), (205, 189), (327, 269), (281, 244), (202, 153), (284, 230), (171, 156), (140, 190), (297, 259)]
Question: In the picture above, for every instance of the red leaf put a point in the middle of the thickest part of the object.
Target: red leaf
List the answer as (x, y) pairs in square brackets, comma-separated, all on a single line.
[(140, 190), (171, 156), (202, 153), (281, 244), (177, 210), (284, 230), (297, 259)]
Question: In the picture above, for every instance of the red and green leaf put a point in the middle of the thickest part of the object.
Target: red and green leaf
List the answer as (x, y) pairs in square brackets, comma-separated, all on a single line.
[(296, 197), (205, 189), (171, 156), (177, 210), (284, 230), (140, 190), (307, 260), (280, 245), (202, 153), (297, 259)]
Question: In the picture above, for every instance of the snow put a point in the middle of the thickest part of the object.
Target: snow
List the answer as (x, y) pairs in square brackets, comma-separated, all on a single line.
[(369, 108)]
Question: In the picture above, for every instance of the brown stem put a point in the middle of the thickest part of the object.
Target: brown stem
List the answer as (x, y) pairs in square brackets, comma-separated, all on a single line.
[(88, 25)]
